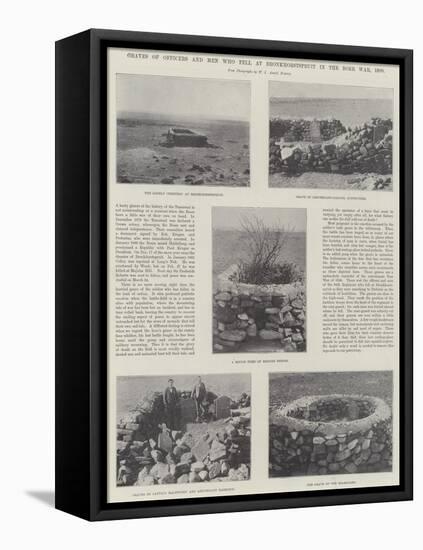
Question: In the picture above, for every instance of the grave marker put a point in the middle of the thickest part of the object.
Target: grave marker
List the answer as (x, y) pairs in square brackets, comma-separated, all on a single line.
[(222, 407)]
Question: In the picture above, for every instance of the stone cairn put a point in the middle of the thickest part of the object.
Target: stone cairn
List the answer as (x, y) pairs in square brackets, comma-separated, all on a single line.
[(246, 313), (364, 149), (331, 434), (148, 453)]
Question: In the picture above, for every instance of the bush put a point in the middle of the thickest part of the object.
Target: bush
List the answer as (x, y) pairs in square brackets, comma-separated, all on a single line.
[(264, 246), (280, 274)]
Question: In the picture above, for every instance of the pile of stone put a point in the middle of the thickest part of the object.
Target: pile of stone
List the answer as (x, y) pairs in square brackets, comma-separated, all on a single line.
[(302, 129), (329, 435), (244, 313), (365, 149), (219, 453)]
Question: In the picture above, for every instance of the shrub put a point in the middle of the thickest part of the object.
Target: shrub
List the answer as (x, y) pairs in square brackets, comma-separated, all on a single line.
[(264, 246)]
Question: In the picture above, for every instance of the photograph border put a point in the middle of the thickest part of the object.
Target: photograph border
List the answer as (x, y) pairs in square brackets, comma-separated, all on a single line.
[(81, 272)]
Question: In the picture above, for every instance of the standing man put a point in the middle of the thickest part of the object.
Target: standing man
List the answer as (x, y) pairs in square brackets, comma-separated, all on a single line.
[(199, 394), (171, 401)]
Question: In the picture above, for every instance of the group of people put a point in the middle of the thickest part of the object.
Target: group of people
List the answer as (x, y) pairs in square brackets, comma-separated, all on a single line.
[(171, 399)]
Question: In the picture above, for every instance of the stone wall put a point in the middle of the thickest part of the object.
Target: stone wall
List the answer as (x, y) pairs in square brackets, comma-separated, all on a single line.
[(246, 313), (333, 434), (300, 129), (149, 453), (365, 149)]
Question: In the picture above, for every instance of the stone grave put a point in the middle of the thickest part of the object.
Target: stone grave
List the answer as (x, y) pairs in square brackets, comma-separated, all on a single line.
[(315, 135), (165, 442), (222, 407)]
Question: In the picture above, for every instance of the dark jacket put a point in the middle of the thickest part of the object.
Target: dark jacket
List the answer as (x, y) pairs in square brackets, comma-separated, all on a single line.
[(170, 397)]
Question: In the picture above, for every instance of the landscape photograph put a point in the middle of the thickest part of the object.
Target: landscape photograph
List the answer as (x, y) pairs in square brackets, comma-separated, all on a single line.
[(183, 429), (259, 279), (330, 423), (330, 136), (182, 131)]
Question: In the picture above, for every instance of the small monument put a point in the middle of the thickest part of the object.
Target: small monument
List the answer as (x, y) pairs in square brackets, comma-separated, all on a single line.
[(165, 441), (222, 407), (188, 411), (315, 135)]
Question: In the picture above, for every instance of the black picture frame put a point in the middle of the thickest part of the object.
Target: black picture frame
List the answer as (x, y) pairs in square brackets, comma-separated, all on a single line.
[(81, 272)]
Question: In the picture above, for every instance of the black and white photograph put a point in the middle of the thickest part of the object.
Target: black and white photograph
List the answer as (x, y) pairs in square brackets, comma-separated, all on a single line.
[(182, 131), (330, 423), (183, 429), (330, 136), (259, 279)]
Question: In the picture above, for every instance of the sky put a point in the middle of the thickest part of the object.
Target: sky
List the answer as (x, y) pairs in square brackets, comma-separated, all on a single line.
[(295, 89), (229, 217), (181, 96)]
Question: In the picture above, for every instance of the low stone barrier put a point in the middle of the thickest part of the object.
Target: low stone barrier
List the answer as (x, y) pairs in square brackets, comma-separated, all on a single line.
[(302, 129), (247, 313), (330, 434), (366, 149)]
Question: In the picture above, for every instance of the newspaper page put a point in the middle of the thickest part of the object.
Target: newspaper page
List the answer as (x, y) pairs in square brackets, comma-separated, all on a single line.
[(253, 275)]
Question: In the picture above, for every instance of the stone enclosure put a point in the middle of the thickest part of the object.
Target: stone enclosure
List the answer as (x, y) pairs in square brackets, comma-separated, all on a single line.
[(247, 315), (298, 146), (149, 453), (330, 434)]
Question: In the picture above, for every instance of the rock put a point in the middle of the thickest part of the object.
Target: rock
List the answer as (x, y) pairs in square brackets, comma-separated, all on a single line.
[(352, 444), (377, 447), (224, 467), (187, 458), (342, 455), (252, 330), (197, 466), (160, 470), (203, 475), (194, 477), (169, 478), (242, 316), (244, 471), (214, 470), (233, 335), (266, 334), (231, 430), (182, 468), (157, 456), (184, 478), (147, 480), (366, 444), (217, 451), (223, 296), (374, 458), (272, 311), (201, 449), (318, 440), (351, 468)]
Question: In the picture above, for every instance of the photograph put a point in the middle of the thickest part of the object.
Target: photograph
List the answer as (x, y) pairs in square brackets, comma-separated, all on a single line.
[(330, 423), (183, 429), (330, 136), (182, 131), (259, 279)]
